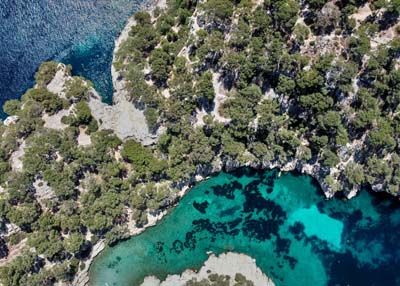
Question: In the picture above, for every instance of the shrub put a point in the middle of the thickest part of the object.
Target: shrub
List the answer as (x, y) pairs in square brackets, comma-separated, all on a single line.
[(204, 88), (143, 160), (12, 106), (50, 101), (151, 115), (219, 10), (46, 73), (77, 88), (83, 114)]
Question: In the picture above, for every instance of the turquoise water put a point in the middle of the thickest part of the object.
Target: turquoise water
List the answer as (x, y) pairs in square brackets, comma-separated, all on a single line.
[(313, 221), (296, 236), (76, 32)]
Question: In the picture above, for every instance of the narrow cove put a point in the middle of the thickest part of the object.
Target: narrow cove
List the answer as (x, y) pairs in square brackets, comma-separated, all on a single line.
[(296, 236), (80, 33)]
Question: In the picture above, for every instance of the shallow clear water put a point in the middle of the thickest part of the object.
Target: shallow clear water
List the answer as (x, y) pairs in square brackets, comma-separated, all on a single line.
[(296, 236), (76, 32)]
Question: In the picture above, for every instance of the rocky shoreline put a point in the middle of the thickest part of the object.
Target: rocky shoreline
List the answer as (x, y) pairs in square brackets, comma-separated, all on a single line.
[(229, 264)]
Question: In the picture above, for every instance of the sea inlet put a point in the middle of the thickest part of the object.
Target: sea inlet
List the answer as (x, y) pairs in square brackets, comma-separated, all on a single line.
[(297, 237)]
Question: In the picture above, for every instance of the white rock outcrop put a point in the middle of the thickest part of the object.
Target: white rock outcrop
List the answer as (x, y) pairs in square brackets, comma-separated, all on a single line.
[(220, 97), (16, 158), (225, 264), (54, 121), (82, 278), (122, 117), (83, 138), (57, 84), (11, 120)]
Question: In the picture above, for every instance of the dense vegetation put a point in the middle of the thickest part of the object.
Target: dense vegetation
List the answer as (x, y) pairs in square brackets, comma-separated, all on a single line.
[(302, 82), (66, 196)]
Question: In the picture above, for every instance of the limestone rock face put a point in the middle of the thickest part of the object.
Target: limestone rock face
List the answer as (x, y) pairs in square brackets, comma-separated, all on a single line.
[(82, 278), (225, 264), (43, 192), (54, 121), (57, 84), (11, 120), (16, 158), (127, 120), (123, 118)]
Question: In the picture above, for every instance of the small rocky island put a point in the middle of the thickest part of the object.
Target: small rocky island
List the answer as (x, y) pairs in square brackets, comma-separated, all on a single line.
[(312, 86)]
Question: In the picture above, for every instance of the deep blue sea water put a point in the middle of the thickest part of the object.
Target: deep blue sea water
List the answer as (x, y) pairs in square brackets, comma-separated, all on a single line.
[(297, 237), (76, 32)]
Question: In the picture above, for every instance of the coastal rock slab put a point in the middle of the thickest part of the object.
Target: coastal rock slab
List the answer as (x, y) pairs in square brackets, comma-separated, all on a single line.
[(16, 158), (225, 264), (83, 138), (54, 121), (123, 118), (11, 120), (82, 278), (57, 84)]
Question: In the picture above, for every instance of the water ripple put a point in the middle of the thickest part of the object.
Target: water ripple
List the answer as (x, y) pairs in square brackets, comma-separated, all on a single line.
[(76, 32)]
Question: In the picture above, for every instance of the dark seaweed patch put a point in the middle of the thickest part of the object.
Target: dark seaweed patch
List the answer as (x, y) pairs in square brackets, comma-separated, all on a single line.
[(227, 190), (217, 228), (282, 246), (297, 229), (206, 225), (254, 201), (160, 246), (177, 246), (233, 224), (274, 211), (253, 186), (201, 207), (355, 217), (291, 260), (269, 181), (260, 229), (190, 241)]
